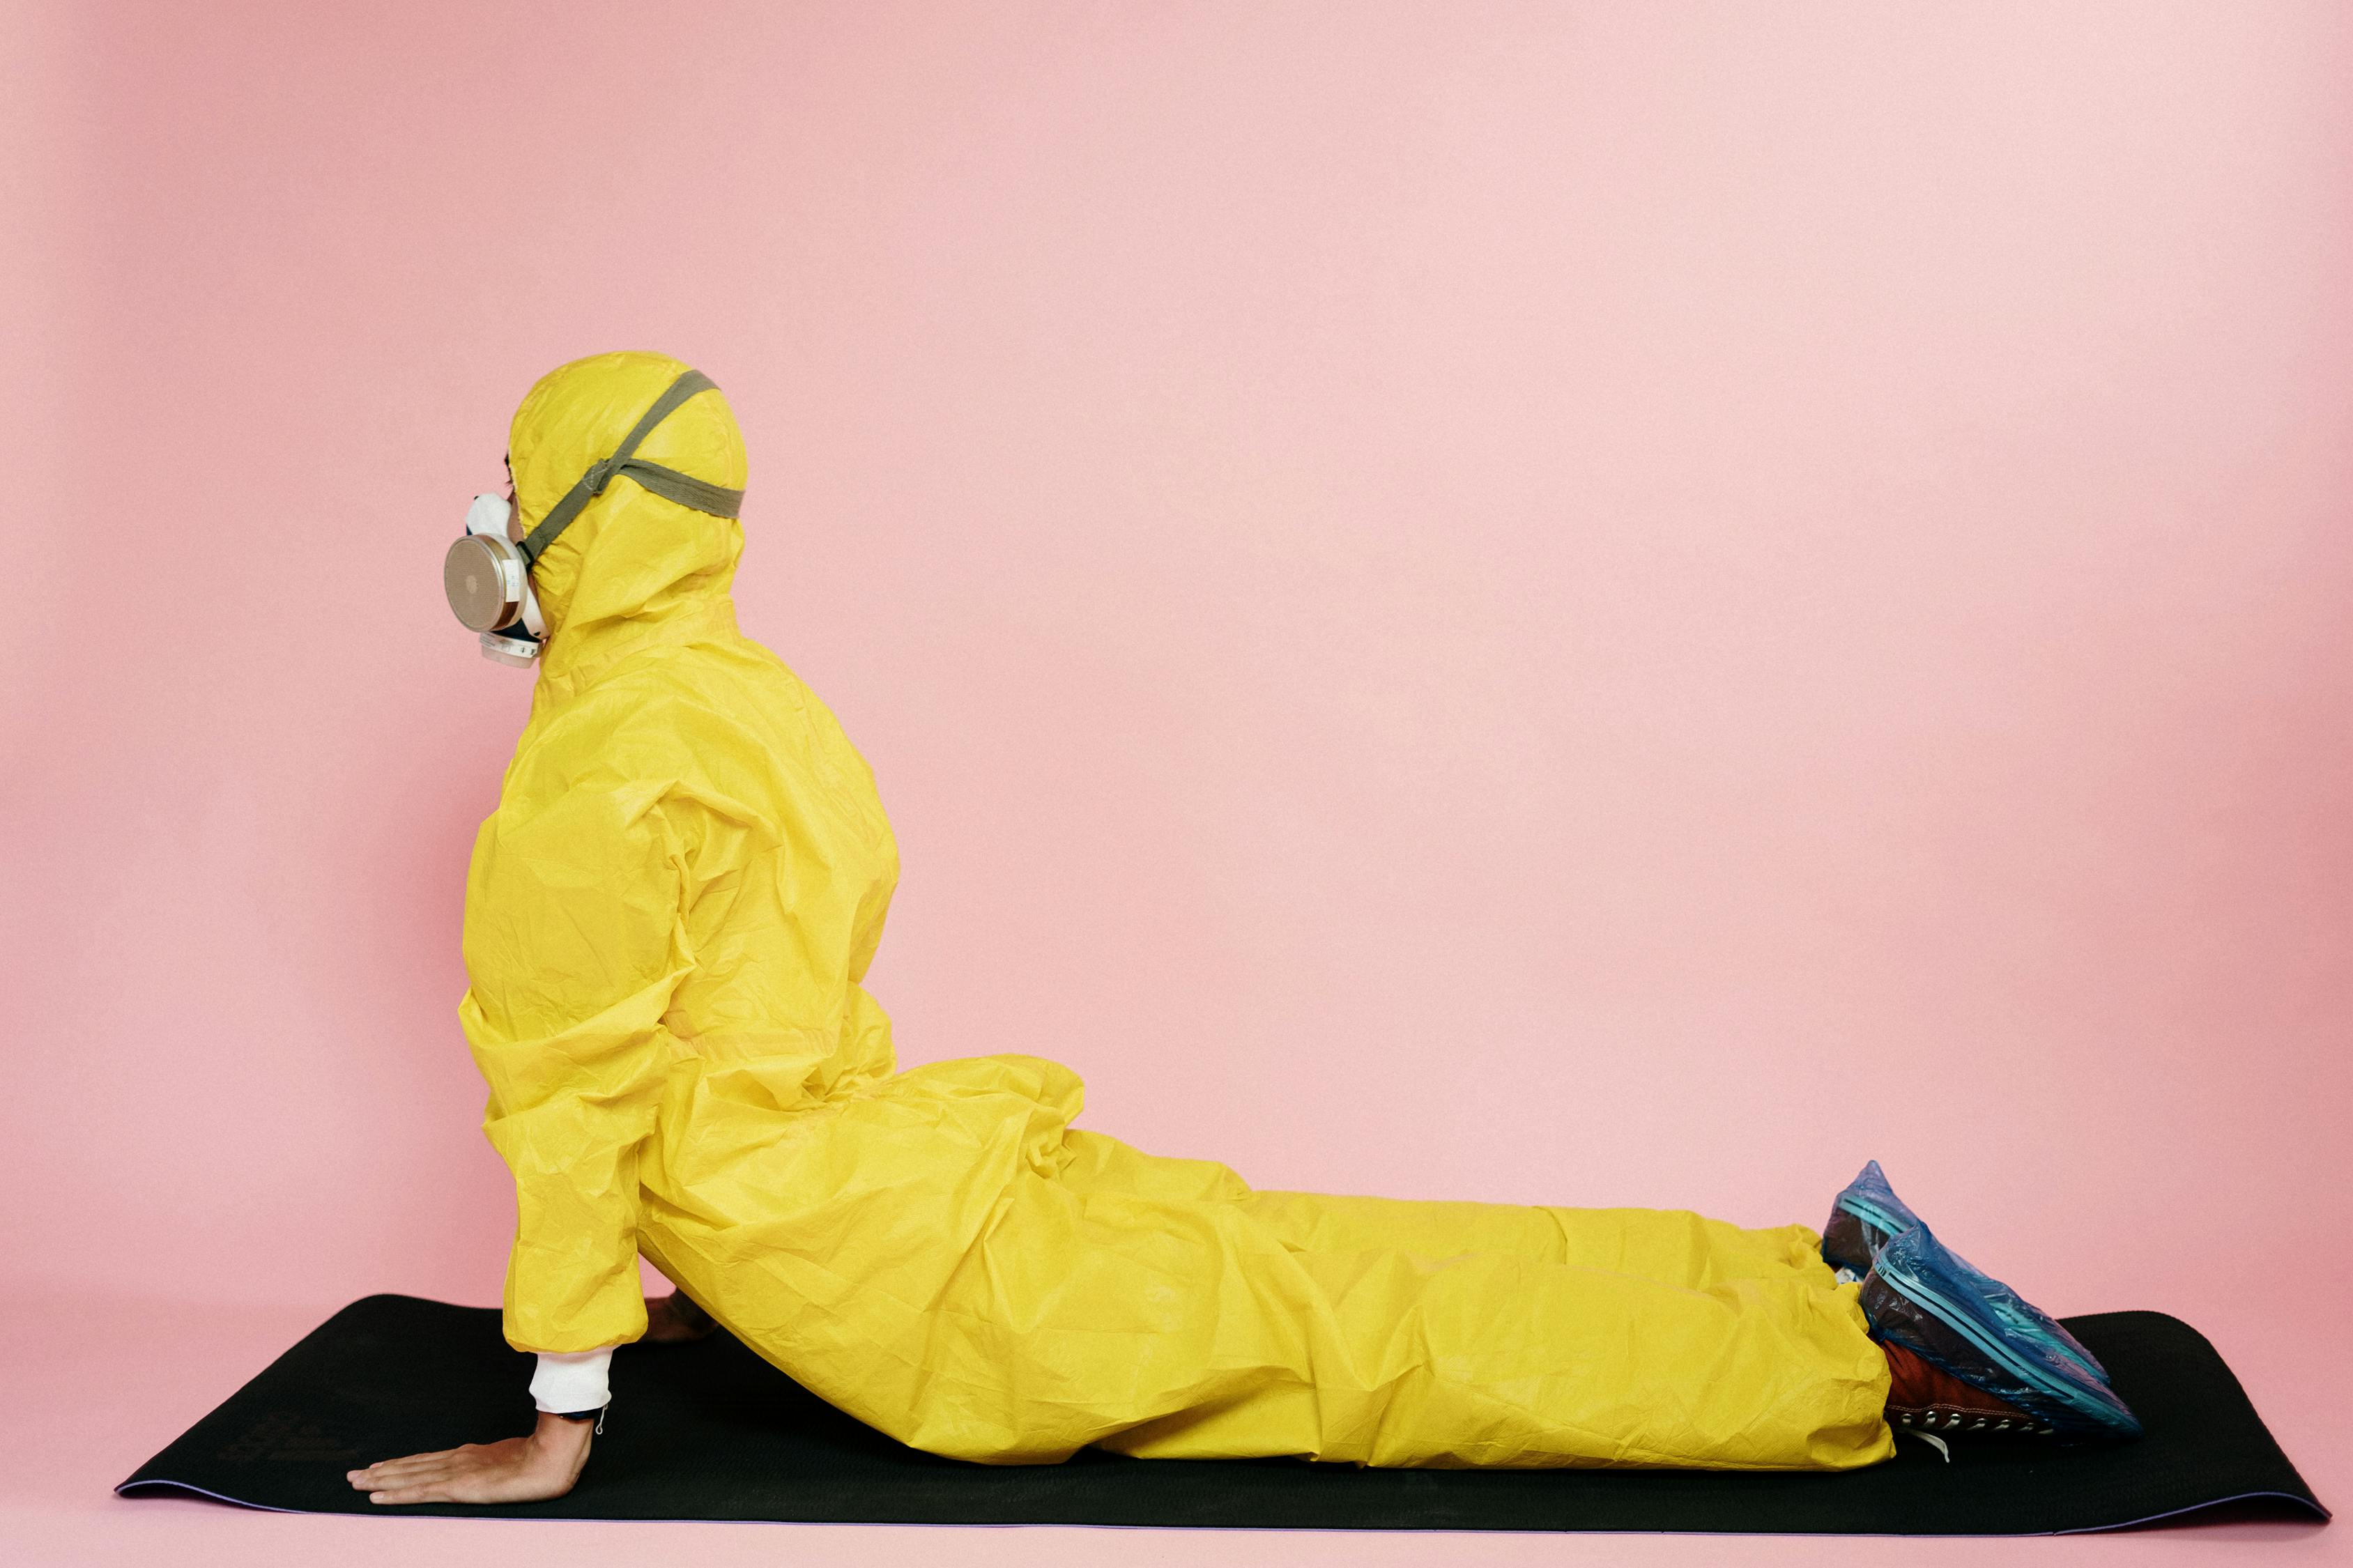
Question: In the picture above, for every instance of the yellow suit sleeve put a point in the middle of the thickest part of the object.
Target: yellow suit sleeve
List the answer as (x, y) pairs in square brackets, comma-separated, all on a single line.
[(574, 942)]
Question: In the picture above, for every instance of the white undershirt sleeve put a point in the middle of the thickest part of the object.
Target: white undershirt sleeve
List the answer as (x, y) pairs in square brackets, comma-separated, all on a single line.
[(566, 1385)]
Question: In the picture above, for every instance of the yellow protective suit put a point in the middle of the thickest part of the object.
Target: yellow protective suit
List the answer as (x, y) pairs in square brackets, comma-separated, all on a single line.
[(667, 922)]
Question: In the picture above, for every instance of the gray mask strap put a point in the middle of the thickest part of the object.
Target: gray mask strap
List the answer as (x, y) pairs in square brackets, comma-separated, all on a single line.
[(683, 489), (668, 483)]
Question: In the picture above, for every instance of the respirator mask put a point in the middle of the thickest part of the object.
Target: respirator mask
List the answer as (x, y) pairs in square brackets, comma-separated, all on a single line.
[(487, 574)]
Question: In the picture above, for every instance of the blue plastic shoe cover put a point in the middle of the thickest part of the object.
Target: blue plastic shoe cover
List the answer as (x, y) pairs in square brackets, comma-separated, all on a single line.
[(1868, 1214), (1864, 1219), (1928, 1299)]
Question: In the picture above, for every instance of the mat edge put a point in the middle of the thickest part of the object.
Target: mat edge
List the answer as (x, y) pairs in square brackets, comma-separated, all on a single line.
[(2312, 1511)]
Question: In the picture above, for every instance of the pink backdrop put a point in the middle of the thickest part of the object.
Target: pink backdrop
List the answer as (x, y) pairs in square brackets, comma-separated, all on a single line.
[(1598, 604)]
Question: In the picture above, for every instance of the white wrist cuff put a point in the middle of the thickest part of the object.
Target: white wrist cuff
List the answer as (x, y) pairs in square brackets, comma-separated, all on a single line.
[(565, 1384)]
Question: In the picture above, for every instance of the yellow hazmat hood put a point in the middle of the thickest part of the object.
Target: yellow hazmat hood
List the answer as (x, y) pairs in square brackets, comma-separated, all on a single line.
[(633, 568)]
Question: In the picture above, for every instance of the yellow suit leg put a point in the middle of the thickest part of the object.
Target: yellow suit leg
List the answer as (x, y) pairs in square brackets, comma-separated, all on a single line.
[(1455, 1315), (944, 1258)]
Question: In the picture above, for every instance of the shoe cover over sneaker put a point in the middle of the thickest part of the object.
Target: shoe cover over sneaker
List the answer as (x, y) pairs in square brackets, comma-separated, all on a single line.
[(1868, 1214), (1925, 1398), (1864, 1219), (1927, 1299)]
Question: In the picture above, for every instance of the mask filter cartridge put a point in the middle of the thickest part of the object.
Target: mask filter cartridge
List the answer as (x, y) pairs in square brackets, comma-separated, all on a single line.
[(489, 585)]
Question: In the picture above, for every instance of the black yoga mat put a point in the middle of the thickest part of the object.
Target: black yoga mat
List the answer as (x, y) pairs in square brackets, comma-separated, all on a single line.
[(711, 1431)]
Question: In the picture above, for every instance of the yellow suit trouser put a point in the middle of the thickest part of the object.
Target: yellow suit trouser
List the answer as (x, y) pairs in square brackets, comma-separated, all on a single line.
[(940, 1255)]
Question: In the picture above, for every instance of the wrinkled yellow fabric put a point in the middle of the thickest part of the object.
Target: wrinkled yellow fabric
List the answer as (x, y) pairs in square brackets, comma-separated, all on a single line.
[(668, 920)]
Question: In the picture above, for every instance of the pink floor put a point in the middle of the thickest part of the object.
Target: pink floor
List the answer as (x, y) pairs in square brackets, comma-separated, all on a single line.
[(94, 1387)]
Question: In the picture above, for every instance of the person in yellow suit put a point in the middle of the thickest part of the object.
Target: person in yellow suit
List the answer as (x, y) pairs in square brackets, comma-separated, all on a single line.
[(669, 919)]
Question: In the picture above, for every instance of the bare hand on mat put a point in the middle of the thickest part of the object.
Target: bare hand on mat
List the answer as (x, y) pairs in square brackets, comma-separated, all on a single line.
[(519, 1470)]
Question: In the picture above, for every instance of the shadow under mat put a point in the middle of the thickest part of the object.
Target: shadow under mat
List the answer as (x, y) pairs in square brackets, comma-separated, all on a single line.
[(710, 1431)]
